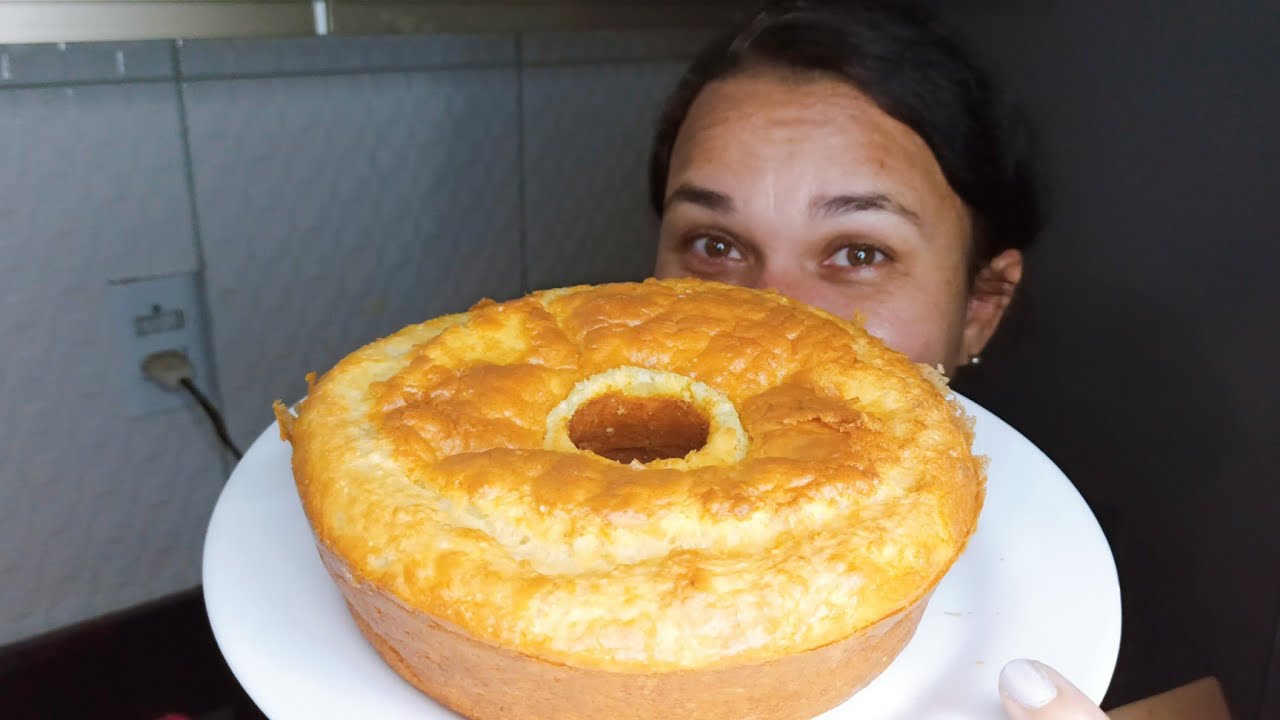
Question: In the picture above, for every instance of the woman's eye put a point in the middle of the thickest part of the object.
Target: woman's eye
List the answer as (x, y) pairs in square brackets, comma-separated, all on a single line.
[(715, 248), (857, 256)]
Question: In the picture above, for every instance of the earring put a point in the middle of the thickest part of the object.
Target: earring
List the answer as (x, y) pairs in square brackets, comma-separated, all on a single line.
[(975, 360)]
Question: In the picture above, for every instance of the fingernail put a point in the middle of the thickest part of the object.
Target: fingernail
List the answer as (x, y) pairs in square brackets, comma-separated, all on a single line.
[(1027, 685)]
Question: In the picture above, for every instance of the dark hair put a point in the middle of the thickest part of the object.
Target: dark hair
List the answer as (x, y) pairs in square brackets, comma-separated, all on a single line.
[(916, 72)]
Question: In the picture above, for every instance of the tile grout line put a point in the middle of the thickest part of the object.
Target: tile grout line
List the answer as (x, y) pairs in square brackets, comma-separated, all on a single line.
[(213, 385), (338, 72), (521, 167)]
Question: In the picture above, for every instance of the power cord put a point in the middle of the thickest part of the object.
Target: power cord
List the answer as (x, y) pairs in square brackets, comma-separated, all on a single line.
[(171, 370)]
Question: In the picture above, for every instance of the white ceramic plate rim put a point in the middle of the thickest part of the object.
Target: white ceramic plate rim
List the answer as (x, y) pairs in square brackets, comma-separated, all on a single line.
[(1037, 580)]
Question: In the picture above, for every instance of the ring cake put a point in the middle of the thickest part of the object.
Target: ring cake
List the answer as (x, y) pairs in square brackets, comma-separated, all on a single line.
[(669, 499)]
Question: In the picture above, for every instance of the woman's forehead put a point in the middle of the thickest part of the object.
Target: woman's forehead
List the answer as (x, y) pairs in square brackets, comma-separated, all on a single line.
[(770, 127)]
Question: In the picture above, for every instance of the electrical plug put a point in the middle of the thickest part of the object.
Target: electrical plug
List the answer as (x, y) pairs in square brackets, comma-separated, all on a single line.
[(168, 368)]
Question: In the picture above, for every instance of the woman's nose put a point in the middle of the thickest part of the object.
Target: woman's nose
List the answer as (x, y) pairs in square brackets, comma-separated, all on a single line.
[(782, 280)]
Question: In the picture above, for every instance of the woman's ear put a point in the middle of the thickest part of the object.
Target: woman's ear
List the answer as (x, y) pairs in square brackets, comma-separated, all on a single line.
[(989, 298)]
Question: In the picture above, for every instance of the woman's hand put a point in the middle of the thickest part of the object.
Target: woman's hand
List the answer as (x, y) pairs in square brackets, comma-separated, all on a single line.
[(1031, 690)]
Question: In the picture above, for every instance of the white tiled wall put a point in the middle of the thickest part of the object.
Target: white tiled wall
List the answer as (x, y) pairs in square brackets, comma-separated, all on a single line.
[(343, 188), (97, 510), (587, 132), (335, 210)]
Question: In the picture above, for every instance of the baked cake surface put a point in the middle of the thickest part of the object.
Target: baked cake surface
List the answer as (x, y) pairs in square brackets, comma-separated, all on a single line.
[(637, 479)]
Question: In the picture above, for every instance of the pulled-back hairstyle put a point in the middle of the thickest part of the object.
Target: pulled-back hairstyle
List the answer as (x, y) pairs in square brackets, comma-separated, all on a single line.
[(915, 71)]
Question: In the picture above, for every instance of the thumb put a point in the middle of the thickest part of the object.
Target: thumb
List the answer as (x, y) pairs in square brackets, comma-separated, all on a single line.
[(1031, 690)]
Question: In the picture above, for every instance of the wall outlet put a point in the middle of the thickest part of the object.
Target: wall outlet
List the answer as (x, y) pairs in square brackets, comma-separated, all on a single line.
[(152, 314)]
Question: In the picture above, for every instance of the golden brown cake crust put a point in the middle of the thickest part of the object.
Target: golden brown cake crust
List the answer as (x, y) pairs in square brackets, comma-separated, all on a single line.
[(486, 683), (426, 465)]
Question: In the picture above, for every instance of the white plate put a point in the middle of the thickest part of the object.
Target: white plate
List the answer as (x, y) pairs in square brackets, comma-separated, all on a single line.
[(1037, 581)]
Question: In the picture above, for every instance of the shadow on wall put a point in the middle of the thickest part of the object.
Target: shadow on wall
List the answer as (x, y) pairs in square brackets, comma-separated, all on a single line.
[(1126, 399)]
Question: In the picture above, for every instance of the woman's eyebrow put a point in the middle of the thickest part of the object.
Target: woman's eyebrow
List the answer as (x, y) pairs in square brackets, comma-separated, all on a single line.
[(703, 197), (830, 206)]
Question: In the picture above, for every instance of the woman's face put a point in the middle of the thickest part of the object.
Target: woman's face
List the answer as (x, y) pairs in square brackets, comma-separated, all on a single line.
[(804, 186)]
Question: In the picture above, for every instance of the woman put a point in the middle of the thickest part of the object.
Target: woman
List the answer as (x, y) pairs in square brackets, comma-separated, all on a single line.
[(851, 155)]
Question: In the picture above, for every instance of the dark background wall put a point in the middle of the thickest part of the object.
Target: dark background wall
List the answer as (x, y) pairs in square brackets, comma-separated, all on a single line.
[(1144, 357)]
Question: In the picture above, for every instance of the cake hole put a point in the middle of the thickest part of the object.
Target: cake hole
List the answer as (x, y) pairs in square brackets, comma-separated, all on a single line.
[(625, 428)]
